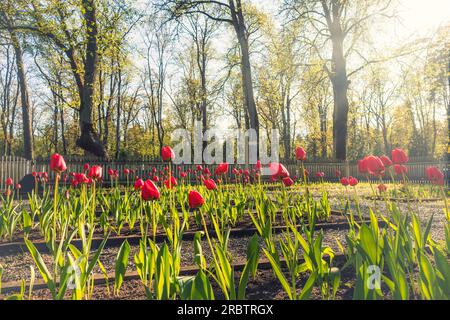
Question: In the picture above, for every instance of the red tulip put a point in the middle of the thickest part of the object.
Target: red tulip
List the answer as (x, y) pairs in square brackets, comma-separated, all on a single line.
[(320, 174), (34, 174), (9, 182), (126, 171), (74, 183), (235, 171), (195, 199), (183, 174), (18, 186), (57, 163), (154, 170), (352, 181), (95, 172), (155, 178), (170, 183), (382, 187), (167, 153), (288, 182), (199, 168), (386, 161), (399, 156), (344, 181), (138, 184), (362, 166), (258, 166), (246, 172), (81, 178), (400, 169), (150, 191), (300, 154), (86, 167), (277, 170), (337, 173), (374, 165), (210, 184), (435, 175)]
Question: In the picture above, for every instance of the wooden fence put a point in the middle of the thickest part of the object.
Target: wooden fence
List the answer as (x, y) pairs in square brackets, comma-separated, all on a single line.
[(13, 167), (16, 168)]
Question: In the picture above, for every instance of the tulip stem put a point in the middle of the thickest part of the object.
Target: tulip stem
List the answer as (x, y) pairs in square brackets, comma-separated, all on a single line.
[(55, 202), (444, 197)]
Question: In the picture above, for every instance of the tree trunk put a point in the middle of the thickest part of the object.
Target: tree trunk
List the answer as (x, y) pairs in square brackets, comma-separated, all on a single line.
[(119, 107), (339, 82), (323, 131), (246, 69), (89, 140), (24, 99), (448, 115)]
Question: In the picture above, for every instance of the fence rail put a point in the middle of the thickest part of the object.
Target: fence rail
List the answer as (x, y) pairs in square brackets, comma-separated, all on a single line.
[(17, 168)]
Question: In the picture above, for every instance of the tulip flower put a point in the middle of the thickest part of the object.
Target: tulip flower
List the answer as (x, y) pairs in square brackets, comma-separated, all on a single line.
[(400, 169), (222, 168), (277, 170), (386, 161), (362, 166), (195, 199), (170, 182), (183, 174), (199, 168), (9, 182), (337, 173), (155, 178), (300, 154), (344, 181), (258, 166), (399, 156), (57, 163), (382, 187), (167, 153), (150, 191), (288, 181), (86, 166), (352, 181), (81, 178), (138, 184), (435, 175), (126, 171), (374, 166), (320, 174), (18, 186), (95, 172), (210, 184)]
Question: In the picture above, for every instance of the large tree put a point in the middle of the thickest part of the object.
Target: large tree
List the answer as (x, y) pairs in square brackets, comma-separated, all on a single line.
[(52, 21), (8, 16), (232, 13), (338, 25)]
